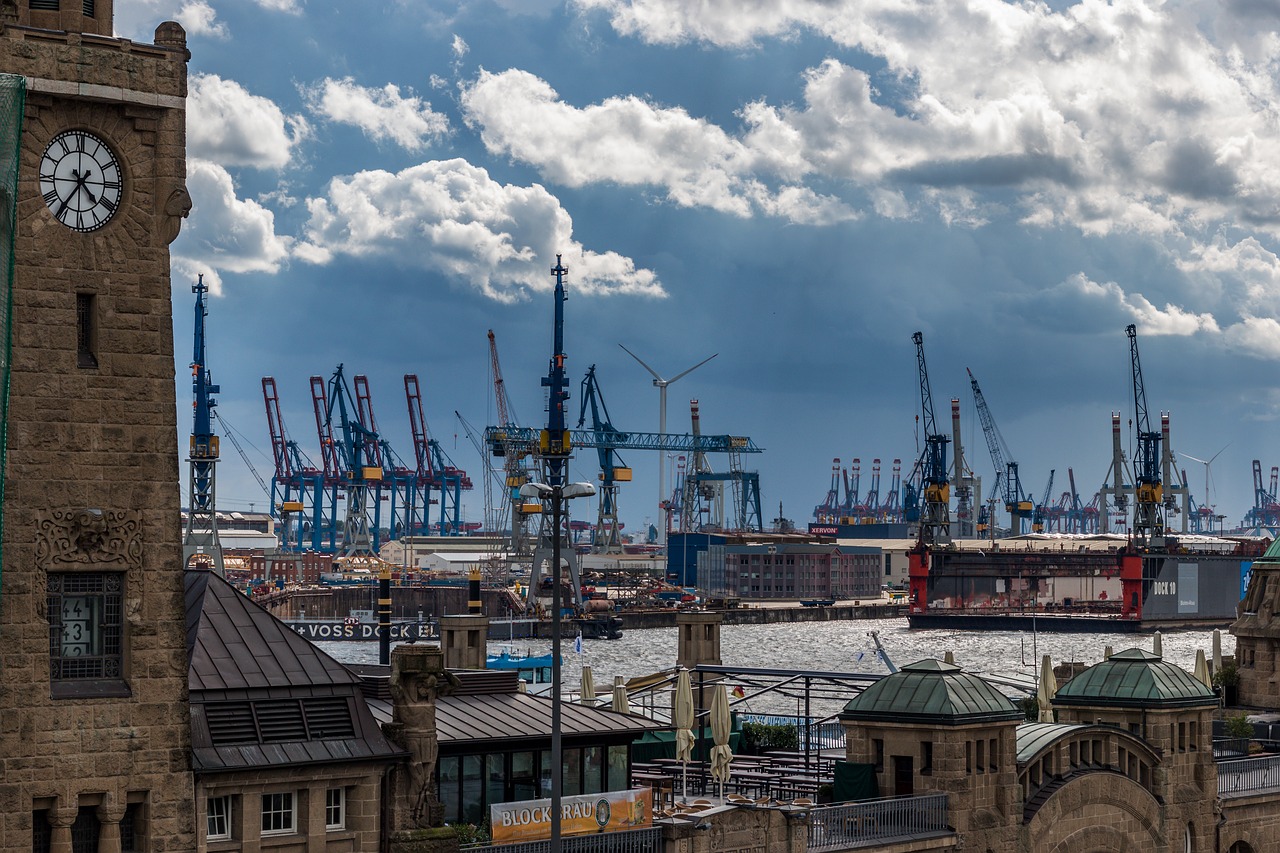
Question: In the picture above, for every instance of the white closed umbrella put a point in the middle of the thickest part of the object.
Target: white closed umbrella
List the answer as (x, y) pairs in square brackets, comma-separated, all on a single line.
[(1157, 646), (1047, 687), (620, 702), (682, 719), (1217, 651), (588, 687), (721, 723), (1202, 670)]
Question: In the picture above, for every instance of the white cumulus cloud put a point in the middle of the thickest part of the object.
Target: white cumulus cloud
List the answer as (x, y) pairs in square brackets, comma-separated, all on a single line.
[(233, 127), (452, 218), (631, 142), (383, 114), (199, 19), (225, 233)]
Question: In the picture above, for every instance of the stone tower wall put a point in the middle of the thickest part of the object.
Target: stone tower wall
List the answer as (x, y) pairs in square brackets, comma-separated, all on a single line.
[(92, 462)]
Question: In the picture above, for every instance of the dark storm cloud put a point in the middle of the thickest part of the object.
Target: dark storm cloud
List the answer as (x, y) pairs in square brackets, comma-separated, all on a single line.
[(993, 171)]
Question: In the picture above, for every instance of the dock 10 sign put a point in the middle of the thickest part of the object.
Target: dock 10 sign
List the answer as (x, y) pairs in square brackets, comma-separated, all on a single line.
[(612, 811)]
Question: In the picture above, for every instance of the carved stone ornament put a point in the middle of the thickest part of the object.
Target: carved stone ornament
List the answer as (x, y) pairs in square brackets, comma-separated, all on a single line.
[(175, 206), (89, 538)]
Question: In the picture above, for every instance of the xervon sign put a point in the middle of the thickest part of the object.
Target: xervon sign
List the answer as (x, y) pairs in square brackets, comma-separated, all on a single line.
[(608, 812)]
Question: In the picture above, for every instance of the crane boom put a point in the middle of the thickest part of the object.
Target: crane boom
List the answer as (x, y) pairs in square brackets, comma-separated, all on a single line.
[(1016, 503), (1148, 520), (935, 520)]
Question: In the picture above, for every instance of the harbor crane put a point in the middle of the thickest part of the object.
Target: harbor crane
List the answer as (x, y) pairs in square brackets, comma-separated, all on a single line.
[(360, 456), (935, 519), (850, 508), (1040, 515), (1148, 514), (828, 512), (968, 483), (433, 472), (297, 486), (517, 459), (1016, 502), (200, 541), (607, 538)]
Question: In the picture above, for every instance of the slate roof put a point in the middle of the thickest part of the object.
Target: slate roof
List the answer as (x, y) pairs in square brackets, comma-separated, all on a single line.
[(1033, 737), (262, 696), (934, 692), (1135, 679)]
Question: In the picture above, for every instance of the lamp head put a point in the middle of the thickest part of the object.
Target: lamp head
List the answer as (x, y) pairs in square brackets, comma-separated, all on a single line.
[(535, 490), (577, 490)]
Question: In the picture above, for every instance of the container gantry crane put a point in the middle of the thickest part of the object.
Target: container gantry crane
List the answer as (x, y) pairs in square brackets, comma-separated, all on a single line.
[(361, 458), (1148, 514), (297, 487), (433, 472), (1016, 501), (828, 512), (935, 518), (968, 484), (201, 537), (850, 508), (607, 538), (1040, 514), (325, 536)]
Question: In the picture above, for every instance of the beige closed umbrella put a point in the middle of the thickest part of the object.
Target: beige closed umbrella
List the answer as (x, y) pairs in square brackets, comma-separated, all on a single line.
[(588, 690), (1202, 670), (621, 703), (1217, 651), (721, 724), (1047, 687), (682, 719), (1157, 645)]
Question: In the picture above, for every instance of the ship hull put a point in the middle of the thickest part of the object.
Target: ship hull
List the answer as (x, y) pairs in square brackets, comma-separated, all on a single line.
[(1086, 592)]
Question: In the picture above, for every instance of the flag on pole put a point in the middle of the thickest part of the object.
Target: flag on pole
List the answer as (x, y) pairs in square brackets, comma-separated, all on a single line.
[(738, 692), (577, 645)]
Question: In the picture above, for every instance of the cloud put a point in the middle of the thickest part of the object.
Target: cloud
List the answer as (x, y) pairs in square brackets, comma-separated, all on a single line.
[(199, 19), (631, 142), (459, 47), (292, 7), (383, 114), (450, 218), (228, 125), (988, 94), (1091, 297), (225, 233)]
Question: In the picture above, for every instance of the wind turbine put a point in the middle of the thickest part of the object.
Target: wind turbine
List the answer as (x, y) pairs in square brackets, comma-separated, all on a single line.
[(661, 384), (1208, 501)]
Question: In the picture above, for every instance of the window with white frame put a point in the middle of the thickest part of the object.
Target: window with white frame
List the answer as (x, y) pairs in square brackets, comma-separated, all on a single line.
[(278, 813), (335, 808), (218, 810)]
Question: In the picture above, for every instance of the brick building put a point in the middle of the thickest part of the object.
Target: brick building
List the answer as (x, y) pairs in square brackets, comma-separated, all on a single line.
[(95, 735), (791, 570)]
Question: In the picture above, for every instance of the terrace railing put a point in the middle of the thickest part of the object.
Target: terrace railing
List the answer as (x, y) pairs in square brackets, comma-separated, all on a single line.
[(1240, 775), (842, 826), (648, 840)]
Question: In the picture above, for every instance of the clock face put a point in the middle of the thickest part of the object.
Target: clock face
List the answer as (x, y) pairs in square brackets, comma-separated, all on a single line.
[(80, 180)]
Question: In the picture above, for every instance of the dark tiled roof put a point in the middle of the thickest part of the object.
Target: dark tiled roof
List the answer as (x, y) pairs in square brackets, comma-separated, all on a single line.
[(521, 716), (931, 691), (1135, 679), (264, 697)]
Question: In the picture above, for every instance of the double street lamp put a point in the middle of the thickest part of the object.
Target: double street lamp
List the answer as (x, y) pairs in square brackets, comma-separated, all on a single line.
[(556, 495)]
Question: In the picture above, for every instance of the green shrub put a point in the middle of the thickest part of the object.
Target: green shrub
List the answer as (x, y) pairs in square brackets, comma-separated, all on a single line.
[(759, 738), (1030, 706), (1228, 676), (1239, 726)]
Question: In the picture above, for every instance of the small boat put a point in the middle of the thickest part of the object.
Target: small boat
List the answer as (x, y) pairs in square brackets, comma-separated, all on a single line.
[(534, 670)]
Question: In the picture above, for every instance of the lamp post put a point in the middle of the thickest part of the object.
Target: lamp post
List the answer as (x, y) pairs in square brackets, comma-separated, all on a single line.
[(557, 495)]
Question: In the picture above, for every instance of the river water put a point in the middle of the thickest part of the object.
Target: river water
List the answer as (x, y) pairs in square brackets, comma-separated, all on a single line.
[(839, 647)]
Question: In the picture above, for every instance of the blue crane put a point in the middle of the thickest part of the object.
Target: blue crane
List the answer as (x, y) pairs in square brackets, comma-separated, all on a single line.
[(935, 517), (1016, 502), (297, 487), (608, 539), (360, 457), (1041, 511), (201, 536), (1148, 513)]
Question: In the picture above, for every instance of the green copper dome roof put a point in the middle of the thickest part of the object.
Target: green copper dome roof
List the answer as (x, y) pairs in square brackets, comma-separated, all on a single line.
[(1135, 679), (934, 692), (1272, 555)]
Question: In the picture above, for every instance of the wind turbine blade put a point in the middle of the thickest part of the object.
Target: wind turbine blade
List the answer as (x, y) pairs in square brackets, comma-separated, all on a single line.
[(691, 369), (1219, 453), (645, 366), (1194, 459)]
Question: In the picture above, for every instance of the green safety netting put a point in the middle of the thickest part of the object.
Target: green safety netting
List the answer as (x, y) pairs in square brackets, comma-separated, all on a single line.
[(13, 95)]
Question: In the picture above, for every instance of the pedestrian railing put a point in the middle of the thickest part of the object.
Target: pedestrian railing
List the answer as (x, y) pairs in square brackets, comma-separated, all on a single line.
[(648, 840), (1238, 775), (884, 820)]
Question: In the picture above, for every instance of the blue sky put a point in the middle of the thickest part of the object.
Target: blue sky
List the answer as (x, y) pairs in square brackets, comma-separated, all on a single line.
[(793, 184)]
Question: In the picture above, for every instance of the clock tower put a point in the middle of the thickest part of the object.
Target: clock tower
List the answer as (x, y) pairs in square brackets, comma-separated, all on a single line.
[(94, 722)]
